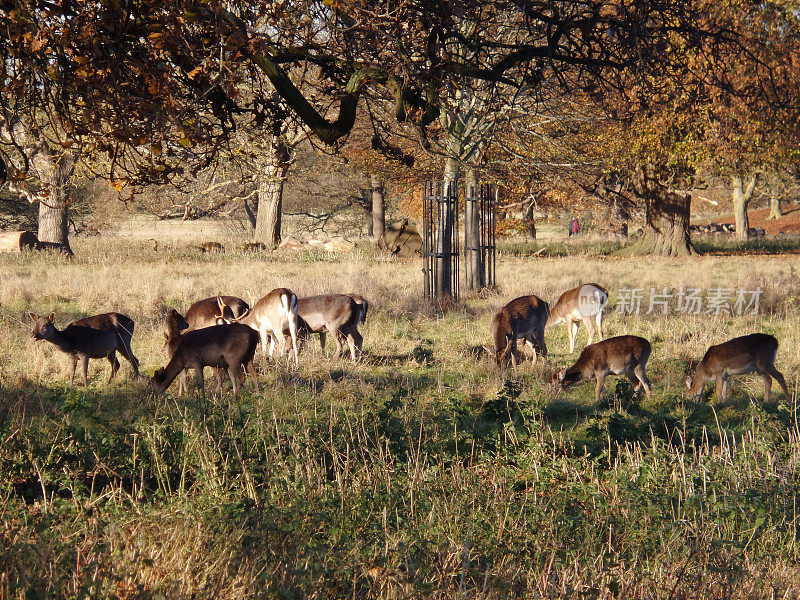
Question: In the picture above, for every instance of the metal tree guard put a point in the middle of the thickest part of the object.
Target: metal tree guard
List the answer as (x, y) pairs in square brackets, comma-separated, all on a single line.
[(440, 239), (479, 237)]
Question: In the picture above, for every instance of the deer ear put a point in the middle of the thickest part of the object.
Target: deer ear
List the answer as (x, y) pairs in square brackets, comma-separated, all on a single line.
[(33, 316), (561, 374), (166, 336), (52, 317)]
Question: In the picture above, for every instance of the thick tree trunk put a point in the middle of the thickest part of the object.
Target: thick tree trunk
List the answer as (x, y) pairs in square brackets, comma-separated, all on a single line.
[(667, 218), (775, 211), (270, 194), (473, 258), (54, 172), (741, 197), (444, 250), (378, 208)]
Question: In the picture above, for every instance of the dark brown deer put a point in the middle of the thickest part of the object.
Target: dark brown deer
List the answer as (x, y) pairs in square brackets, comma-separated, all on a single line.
[(99, 336), (745, 354), (362, 304), (333, 313), (270, 315), (623, 355), (522, 318), (225, 346), (584, 303)]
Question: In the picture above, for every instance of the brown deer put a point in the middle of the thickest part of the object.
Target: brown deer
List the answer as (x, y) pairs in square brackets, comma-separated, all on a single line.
[(333, 313), (583, 303), (99, 336), (215, 311), (363, 305), (745, 354), (523, 317), (270, 316), (228, 346), (623, 355)]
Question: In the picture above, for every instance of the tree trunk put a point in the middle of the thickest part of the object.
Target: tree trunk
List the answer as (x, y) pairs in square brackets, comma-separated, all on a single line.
[(444, 250), (473, 257), (775, 211), (741, 197), (54, 172), (378, 208), (366, 203), (667, 218), (270, 194)]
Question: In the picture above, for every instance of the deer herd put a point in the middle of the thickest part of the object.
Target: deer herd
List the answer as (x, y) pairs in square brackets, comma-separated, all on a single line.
[(222, 332)]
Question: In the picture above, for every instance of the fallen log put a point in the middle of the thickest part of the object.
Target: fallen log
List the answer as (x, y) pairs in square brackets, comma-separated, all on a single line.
[(17, 241)]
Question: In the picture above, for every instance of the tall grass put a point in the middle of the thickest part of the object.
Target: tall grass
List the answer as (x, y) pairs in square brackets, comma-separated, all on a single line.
[(420, 472)]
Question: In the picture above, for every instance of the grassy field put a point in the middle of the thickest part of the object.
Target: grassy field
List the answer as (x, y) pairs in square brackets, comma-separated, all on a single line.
[(421, 472)]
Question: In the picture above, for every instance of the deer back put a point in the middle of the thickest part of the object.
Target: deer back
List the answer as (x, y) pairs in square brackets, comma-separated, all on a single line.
[(272, 311), (328, 312), (618, 355), (208, 312), (739, 354), (568, 306), (518, 318)]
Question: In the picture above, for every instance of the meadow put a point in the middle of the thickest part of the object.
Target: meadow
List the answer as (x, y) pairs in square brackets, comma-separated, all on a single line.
[(422, 471)]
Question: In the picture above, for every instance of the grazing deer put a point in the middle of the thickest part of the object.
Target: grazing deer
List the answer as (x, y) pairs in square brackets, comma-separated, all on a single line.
[(228, 346), (623, 355), (333, 313), (215, 311), (583, 303), (363, 305), (99, 336), (270, 316), (523, 317), (754, 352)]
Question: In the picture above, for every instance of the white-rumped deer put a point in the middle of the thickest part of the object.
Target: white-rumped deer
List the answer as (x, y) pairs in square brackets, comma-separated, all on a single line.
[(746, 354), (525, 318), (98, 336), (333, 313), (270, 316), (623, 355), (584, 303), (228, 346)]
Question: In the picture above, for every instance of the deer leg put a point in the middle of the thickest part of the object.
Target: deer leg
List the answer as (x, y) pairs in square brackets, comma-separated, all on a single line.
[(539, 337), (125, 351), (719, 387), (293, 333), (573, 333), (72, 371), (724, 387), (219, 375), (767, 387), (778, 376), (233, 372), (354, 340), (322, 337), (598, 390), (338, 336), (199, 381), (85, 365), (590, 328), (514, 355), (183, 386), (254, 377), (112, 358), (641, 375), (599, 320)]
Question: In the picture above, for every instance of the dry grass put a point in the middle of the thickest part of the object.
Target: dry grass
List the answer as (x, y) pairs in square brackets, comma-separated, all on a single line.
[(420, 472)]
